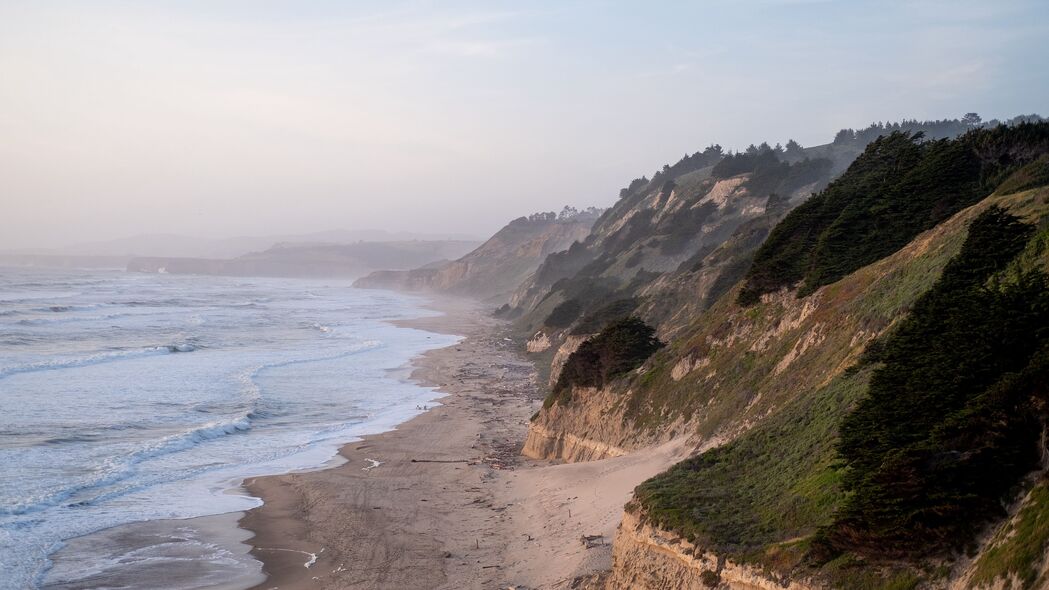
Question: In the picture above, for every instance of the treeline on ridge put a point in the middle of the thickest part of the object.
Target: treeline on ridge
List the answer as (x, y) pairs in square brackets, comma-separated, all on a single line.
[(897, 188)]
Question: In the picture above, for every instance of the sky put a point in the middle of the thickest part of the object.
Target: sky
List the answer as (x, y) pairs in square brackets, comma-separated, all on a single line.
[(224, 118)]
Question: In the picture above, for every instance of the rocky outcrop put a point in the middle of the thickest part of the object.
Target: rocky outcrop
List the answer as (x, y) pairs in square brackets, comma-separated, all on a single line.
[(645, 557)]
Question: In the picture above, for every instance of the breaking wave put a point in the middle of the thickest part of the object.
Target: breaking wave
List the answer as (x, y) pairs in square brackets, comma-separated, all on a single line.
[(95, 359)]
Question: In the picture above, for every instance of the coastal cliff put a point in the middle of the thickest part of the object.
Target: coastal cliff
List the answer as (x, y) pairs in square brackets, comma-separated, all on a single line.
[(645, 557), (1014, 555), (582, 431), (494, 268), (762, 366), (727, 371), (790, 366)]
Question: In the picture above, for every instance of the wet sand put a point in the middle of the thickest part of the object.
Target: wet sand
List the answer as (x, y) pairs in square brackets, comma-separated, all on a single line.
[(445, 500), (138, 554), (424, 516)]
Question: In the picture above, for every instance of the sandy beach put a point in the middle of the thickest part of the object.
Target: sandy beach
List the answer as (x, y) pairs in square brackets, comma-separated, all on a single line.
[(445, 500)]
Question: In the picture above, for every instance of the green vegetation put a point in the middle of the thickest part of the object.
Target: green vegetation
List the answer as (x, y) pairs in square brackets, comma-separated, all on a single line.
[(955, 410), (1019, 547), (685, 226), (596, 320), (618, 349), (689, 163), (1030, 176), (939, 129), (561, 265), (899, 187), (744, 162), (564, 314), (856, 574), (776, 495), (772, 485), (768, 174)]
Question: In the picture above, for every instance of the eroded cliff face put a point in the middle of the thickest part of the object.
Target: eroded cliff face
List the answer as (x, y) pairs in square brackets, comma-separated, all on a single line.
[(1014, 555), (645, 557), (728, 369), (785, 346), (584, 430)]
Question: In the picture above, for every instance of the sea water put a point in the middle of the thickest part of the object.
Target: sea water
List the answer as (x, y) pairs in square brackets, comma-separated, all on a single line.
[(135, 397)]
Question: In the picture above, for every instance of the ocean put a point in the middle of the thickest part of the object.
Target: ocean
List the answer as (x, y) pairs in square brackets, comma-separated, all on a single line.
[(127, 398)]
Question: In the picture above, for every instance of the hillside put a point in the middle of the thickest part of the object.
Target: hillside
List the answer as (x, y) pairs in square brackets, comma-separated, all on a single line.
[(498, 265), (311, 260), (670, 246), (866, 415)]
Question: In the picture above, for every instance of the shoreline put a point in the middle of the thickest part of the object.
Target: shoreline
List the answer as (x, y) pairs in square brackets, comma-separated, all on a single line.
[(401, 522), (218, 547), (217, 529), (451, 503)]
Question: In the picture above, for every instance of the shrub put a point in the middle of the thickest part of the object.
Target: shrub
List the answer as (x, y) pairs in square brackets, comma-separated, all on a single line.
[(685, 225), (596, 320), (619, 348), (742, 163), (954, 412), (564, 314), (1030, 176)]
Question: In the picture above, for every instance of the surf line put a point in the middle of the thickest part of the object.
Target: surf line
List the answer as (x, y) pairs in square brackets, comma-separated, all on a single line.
[(313, 556)]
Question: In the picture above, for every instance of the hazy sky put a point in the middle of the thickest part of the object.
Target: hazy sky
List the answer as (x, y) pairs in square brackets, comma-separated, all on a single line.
[(226, 118)]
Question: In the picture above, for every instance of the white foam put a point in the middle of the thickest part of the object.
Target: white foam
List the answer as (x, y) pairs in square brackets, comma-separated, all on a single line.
[(94, 359), (153, 437)]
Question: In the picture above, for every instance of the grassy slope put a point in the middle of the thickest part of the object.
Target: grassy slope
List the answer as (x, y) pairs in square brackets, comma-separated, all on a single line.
[(1019, 547), (762, 497), (741, 348)]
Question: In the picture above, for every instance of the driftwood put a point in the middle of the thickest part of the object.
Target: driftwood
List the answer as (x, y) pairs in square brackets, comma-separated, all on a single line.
[(591, 541)]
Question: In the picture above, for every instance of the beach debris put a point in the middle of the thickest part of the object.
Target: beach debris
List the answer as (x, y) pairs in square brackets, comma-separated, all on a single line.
[(372, 464), (440, 460), (502, 456), (313, 558), (591, 541)]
